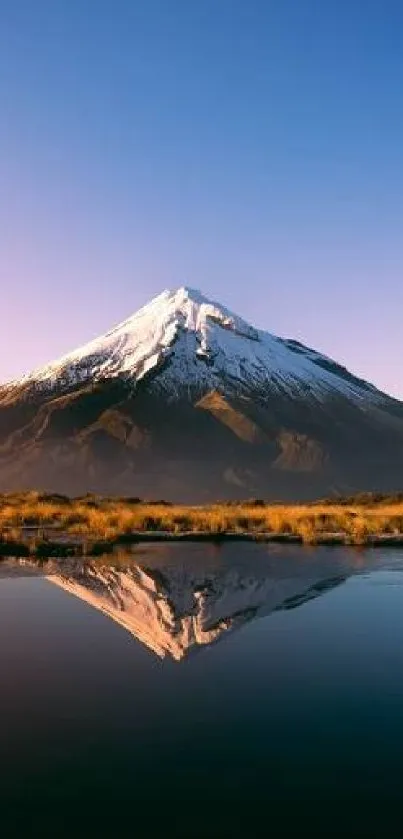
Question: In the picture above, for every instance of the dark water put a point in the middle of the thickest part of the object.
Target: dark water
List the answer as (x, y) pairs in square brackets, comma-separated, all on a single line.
[(265, 697)]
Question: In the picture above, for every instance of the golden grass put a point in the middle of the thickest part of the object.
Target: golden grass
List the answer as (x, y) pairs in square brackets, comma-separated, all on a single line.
[(107, 518)]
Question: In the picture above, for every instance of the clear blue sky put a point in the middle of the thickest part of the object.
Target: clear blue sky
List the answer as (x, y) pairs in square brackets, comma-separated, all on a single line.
[(251, 149)]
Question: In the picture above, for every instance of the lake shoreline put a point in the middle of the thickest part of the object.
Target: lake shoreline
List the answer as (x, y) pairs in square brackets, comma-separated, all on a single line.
[(39, 524), (62, 547)]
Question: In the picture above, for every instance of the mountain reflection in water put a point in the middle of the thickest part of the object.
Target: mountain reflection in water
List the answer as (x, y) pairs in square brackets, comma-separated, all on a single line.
[(177, 599)]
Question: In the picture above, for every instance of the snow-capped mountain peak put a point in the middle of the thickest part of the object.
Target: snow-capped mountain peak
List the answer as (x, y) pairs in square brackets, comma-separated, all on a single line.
[(186, 400), (185, 342), (177, 609), (145, 338)]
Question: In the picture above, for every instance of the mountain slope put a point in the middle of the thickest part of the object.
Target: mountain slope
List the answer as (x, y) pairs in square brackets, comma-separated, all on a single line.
[(188, 401)]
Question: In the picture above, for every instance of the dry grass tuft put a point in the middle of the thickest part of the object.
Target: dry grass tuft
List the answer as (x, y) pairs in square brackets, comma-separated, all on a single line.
[(92, 517)]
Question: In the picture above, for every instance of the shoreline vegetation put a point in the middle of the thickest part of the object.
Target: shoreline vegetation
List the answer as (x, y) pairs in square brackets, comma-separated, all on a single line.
[(45, 525)]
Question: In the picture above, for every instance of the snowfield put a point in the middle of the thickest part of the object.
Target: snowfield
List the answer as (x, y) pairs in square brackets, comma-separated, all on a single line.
[(187, 344)]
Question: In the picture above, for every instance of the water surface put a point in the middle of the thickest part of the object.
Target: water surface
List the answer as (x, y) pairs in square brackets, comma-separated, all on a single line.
[(203, 691)]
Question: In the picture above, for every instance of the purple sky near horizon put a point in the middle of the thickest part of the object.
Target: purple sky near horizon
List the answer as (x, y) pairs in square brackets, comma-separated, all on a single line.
[(252, 150)]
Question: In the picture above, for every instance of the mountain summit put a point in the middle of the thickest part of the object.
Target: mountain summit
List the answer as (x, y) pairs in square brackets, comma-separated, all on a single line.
[(186, 400), (191, 345)]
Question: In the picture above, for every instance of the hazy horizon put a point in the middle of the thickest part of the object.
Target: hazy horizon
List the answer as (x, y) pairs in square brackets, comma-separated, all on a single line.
[(250, 150)]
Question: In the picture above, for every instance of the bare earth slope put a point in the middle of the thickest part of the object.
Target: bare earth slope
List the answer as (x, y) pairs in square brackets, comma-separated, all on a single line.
[(185, 400)]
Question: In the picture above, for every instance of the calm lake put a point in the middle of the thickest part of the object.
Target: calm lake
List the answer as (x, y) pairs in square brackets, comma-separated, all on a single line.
[(203, 691)]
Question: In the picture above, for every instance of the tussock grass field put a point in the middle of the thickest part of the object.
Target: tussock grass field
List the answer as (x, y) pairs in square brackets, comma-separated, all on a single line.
[(40, 523)]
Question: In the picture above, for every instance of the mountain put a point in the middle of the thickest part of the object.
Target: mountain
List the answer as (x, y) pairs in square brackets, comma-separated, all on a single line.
[(175, 611), (187, 401), (177, 599)]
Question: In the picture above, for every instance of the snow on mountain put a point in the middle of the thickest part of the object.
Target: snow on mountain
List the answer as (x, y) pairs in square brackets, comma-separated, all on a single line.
[(189, 344), (176, 610)]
